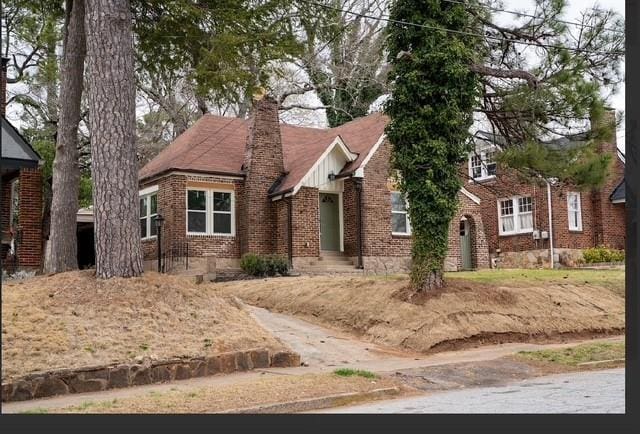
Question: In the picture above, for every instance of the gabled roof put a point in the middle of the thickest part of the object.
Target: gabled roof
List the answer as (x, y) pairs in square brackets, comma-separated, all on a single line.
[(618, 195), (16, 151), (216, 144)]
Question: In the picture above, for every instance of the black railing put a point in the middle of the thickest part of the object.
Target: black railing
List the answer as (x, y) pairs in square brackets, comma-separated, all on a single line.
[(178, 256)]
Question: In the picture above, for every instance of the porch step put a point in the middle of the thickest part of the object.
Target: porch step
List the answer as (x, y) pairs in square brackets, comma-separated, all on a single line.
[(334, 260), (330, 253), (322, 269)]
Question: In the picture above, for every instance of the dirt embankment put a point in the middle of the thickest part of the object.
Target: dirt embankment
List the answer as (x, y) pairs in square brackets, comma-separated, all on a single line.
[(464, 314), (72, 320)]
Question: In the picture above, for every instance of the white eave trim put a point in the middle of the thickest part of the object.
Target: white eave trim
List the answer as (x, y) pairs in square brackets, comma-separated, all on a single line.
[(619, 201), (148, 190), (470, 195), (337, 142)]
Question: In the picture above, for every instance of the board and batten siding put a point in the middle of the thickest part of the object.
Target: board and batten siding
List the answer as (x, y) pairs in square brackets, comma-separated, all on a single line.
[(319, 177)]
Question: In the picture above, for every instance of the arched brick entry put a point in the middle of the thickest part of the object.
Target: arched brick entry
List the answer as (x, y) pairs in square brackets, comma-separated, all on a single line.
[(470, 211)]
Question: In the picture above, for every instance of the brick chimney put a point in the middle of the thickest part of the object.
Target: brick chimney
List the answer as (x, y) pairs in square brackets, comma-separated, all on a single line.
[(263, 165), (609, 225), (3, 87)]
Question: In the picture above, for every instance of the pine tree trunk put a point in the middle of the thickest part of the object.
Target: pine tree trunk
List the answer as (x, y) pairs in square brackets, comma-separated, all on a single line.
[(62, 251), (113, 151)]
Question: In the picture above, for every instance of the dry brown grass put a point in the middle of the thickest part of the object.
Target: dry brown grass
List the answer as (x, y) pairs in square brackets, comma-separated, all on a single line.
[(265, 391), (73, 320), (467, 312)]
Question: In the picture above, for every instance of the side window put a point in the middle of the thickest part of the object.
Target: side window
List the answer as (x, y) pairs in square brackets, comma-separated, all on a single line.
[(210, 212), (197, 211), (148, 215), (400, 224), (574, 211), (507, 222), (482, 164), (222, 214), (515, 215)]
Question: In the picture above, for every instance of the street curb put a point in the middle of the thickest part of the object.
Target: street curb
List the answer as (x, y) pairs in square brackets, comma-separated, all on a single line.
[(317, 403)]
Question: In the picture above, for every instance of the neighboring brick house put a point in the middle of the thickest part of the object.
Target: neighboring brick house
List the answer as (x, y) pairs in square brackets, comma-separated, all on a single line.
[(20, 196), (323, 197), (516, 214)]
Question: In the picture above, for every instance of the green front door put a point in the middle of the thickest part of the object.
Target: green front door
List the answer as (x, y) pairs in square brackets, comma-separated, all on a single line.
[(465, 244), (329, 221)]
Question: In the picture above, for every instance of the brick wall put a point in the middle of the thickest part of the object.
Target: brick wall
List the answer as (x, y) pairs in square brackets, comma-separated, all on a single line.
[(172, 191), (602, 221), (306, 223), (479, 246), (263, 165), (350, 218), (29, 248), (376, 216)]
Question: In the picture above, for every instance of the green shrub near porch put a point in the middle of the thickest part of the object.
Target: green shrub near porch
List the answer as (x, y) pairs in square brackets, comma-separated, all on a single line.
[(602, 254), (264, 265)]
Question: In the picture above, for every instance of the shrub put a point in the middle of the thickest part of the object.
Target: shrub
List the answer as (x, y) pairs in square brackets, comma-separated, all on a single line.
[(264, 265), (602, 254), (347, 372)]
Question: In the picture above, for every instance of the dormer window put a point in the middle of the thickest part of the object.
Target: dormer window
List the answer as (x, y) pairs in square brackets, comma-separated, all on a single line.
[(482, 164)]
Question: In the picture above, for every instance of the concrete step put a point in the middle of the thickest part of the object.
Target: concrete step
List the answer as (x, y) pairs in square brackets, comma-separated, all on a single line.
[(330, 253), (329, 269), (334, 260)]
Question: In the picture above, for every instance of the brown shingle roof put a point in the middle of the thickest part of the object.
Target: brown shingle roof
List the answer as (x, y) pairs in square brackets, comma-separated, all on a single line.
[(215, 144)]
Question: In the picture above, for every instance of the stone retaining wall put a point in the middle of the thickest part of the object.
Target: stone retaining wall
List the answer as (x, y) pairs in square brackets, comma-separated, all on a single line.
[(115, 376)]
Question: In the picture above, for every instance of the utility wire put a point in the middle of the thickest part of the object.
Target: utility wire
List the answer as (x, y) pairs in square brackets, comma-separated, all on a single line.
[(460, 32), (524, 14)]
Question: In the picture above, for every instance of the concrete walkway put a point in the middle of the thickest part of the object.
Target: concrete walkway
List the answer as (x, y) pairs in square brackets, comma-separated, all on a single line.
[(583, 392), (321, 350)]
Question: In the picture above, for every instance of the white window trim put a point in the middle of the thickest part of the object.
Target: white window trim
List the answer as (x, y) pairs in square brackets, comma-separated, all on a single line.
[(147, 196), (571, 227), (209, 212), (516, 215), (482, 153), (406, 213)]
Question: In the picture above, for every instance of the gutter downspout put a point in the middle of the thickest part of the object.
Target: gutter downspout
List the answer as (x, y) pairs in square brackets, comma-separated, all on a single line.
[(550, 224), (358, 182), (290, 230)]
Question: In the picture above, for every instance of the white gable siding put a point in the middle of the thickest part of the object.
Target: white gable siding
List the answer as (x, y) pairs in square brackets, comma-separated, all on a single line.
[(319, 178)]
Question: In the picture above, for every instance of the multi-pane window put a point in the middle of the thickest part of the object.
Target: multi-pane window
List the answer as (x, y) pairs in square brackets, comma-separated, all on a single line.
[(476, 166), (148, 215), (574, 211), (516, 215), (210, 212), (197, 211), (399, 215), (482, 164)]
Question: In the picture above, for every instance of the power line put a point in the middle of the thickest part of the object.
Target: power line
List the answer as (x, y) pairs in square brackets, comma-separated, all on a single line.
[(524, 14), (460, 32)]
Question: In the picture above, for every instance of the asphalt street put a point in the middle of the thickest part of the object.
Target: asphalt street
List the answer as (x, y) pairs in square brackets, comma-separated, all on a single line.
[(584, 392)]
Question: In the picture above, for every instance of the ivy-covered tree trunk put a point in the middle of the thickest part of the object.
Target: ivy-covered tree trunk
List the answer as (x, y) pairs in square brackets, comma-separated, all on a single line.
[(431, 110), (113, 152), (62, 254)]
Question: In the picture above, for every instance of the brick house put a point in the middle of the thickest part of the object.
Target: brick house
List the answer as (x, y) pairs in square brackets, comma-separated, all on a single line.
[(20, 196), (325, 198), (516, 214)]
